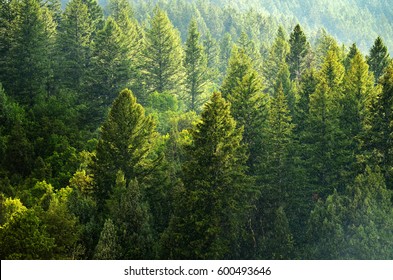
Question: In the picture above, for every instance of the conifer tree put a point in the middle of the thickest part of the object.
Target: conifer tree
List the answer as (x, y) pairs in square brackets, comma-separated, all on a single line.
[(131, 218), (299, 48), (75, 45), (195, 64), (353, 50), (378, 58), (110, 69), (163, 55), (28, 65), (107, 247), (123, 145), (277, 55), (378, 127), (243, 88), (210, 215)]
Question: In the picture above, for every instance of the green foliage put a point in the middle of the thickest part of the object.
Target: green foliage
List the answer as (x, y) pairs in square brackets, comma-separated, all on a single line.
[(107, 247), (299, 48), (195, 64), (378, 58), (124, 144), (209, 218), (163, 55), (355, 225)]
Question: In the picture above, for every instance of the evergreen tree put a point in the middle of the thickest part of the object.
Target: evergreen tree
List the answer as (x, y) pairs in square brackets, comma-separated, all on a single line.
[(277, 55), (75, 45), (299, 48), (163, 55), (28, 65), (378, 58), (124, 144), (378, 127), (107, 247), (110, 69), (243, 88), (210, 215), (353, 50), (131, 218), (212, 52), (350, 226), (358, 89), (195, 64)]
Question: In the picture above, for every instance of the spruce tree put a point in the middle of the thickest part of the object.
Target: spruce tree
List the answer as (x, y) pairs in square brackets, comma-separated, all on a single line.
[(217, 194), (107, 247), (378, 127), (378, 58), (110, 65), (277, 55), (124, 144), (28, 65), (74, 45), (163, 55), (243, 88), (299, 48), (195, 64)]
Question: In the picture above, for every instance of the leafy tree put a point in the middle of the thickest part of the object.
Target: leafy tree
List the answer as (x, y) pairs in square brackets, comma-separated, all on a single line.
[(23, 236), (163, 55), (299, 48), (124, 144), (378, 58), (216, 197), (195, 64)]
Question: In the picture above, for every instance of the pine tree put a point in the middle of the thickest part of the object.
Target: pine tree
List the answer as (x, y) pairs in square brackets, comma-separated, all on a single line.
[(123, 145), (28, 65), (131, 218), (299, 48), (378, 58), (277, 55), (75, 45), (243, 88), (353, 50), (110, 66), (195, 64), (107, 247), (378, 127), (163, 55), (210, 215)]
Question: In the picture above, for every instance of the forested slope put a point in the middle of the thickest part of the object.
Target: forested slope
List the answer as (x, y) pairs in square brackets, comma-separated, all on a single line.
[(235, 137)]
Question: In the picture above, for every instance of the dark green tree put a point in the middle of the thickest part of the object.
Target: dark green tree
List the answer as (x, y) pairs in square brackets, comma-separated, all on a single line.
[(299, 48), (243, 88), (195, 64), (378, 58), (110, 65), (124, 144), (28, 65), (212, 210)]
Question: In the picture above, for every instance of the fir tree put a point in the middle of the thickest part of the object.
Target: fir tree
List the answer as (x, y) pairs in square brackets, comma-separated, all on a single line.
[(195, 64), (378, 58), (209, 218), (107, 247), (299, 48), (123, 145), (163, 55)]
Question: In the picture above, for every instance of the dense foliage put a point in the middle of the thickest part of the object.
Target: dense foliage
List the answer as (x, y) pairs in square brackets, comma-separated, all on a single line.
[(184, 131)]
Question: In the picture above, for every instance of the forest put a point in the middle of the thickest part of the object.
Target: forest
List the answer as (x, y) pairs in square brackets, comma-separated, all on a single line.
[(190, 130)]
